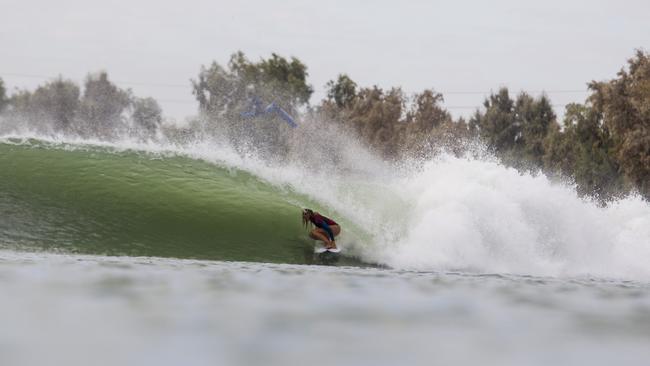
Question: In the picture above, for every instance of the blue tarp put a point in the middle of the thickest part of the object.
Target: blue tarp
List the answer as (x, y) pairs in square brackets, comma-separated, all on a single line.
[(257, 109)]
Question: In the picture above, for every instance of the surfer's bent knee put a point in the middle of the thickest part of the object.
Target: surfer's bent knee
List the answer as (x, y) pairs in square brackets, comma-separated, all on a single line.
[(336, 229)]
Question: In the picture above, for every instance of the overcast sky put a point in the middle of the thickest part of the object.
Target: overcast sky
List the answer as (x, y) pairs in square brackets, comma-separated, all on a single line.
[(154, 47)]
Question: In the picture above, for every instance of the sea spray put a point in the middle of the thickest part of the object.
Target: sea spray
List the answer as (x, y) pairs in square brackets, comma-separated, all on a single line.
[(474, 214)]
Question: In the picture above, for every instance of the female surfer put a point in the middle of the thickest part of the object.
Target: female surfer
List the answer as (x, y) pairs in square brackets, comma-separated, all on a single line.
[(326, 228)]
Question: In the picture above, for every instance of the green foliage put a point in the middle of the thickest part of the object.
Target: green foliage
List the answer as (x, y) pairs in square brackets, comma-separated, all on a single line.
[(51, 107), (19, 104), (389, 121), (342, 91), (56, 103), (426, 113), (287, 80), (146, 115), (3, 96), (560, 148), (582, 150), (223, 93), (102, 106), (604, 144), (497, 125), (624, 104), (59, 106), (429, 126), (378, 114), (534, 118), (515, 129)]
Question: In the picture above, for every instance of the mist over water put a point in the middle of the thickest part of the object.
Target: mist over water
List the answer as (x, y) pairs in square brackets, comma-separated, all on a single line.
[(446, 212)]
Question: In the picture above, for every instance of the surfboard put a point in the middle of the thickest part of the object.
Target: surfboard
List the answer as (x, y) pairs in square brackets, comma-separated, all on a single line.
[(321, 249), (326, 256)]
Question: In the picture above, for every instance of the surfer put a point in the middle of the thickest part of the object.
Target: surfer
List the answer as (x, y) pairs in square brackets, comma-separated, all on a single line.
[(326, 228)]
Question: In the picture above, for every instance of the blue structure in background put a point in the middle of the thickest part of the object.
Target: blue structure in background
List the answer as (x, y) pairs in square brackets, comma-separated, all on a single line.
[(257, 109)]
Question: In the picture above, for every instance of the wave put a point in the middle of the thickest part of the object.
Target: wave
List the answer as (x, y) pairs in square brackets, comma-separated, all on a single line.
[(103, 200), (207, 200)]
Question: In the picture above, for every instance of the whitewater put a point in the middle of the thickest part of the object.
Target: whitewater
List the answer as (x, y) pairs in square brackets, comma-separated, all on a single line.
[(161, 253)]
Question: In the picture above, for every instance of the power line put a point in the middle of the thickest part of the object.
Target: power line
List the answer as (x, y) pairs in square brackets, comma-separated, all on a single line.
[(189, 101), (479, 106), (171, 85), (179, 101), (528, 91), (45, 77)]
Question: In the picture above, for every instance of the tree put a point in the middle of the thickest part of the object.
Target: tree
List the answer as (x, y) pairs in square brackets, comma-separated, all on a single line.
[(51, 107), (102, 106), (426, 114), (342, 91), (3, 96), (223, 93), (376, 116), (497, 125), (17, 111), (287, 80), (429, 126), (624, 104), (55, 104), (582, 150), (389, 121), (515, 129), (147, 115), (533, 118), (20, 103)]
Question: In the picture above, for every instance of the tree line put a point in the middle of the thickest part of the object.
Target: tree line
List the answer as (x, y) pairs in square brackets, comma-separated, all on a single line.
[(602, 144), (102, 110)]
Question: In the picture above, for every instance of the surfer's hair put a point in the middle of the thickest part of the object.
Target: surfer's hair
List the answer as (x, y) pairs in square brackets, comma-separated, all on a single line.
[(306, 215)]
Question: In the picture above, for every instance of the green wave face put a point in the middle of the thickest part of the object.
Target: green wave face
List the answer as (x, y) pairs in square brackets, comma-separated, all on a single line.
[(97, 201)]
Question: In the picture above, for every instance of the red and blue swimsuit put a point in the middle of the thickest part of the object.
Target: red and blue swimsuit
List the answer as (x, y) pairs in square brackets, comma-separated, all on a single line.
[(323, 223)]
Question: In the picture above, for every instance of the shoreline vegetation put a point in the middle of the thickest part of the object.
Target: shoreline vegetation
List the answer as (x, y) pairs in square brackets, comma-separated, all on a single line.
[(602, 145)]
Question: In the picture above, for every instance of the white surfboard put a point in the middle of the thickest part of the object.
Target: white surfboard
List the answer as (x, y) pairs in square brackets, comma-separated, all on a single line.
[(321, 249)]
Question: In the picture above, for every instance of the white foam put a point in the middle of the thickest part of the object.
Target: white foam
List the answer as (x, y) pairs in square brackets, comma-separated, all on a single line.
[(476, 214)]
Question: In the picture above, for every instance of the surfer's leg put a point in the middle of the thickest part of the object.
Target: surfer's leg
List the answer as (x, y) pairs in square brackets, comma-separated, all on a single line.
[(319, 234), (336, 229)]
